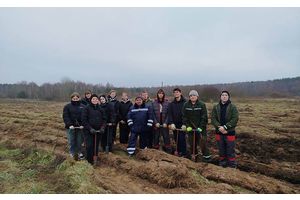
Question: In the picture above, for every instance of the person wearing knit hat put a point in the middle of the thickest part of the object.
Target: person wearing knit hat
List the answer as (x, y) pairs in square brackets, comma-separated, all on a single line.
[(94, 121), (193, 93), (73, 124), (139, 118), (195, 122), (224, 118), (160, 116)]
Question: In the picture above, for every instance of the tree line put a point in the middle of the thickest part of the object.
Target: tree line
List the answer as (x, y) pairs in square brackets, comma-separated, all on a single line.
[(279, 88)]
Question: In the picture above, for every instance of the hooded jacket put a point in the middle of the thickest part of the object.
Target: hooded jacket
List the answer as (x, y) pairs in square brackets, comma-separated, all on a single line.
[(175, 112)]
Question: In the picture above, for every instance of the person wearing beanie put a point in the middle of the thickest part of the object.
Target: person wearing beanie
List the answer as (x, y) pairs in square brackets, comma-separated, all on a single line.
[(195, 122), (175, 121), (94, 122), (224, 118), (160, 117), (87, 98), (124, 107), (72, 119), (150, 131), (139, 118), (112, 99), (106, 140)]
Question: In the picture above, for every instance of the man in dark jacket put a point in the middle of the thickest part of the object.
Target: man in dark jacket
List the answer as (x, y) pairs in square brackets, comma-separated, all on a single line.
[(195, 121), (149, 132), (175, 121), (139, 118), (72, 119), (224, 118), (106, 140), (94, 121), (124, 107), (160, 117), (112, 99)]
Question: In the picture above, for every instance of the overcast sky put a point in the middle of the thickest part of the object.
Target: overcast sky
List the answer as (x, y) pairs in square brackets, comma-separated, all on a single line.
[(145, 46)]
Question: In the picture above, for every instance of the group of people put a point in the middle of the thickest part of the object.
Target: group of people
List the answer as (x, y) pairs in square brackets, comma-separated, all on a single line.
[(94, 120)]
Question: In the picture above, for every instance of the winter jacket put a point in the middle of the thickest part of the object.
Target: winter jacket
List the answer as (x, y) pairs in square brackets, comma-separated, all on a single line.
[(195, 116), (85, 101), (175, 112), (93, 116), (72, 114), (124, 109), (109, 111), (139, 118), (160, 111), (231, 118), (115, 104)]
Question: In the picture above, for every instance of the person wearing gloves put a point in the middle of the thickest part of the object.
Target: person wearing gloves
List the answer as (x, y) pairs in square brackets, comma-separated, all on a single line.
[(72, 119), (94, 121), (124, 107), (195, 119), (175, 121), (224, 118), (160, 117), (139, 119)]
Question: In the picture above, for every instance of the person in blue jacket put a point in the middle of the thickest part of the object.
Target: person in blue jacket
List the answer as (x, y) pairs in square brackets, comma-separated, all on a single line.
[(139, 119)]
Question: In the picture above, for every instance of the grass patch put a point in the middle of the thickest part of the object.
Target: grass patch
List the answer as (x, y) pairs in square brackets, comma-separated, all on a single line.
[(200, 179), (34, 172)]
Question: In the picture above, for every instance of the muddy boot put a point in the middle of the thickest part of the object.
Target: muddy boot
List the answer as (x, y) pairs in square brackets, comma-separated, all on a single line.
[(223, 163), (232, 164), (206, 159)]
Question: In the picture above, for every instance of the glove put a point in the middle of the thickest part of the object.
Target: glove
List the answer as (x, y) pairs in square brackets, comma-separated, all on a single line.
[(157, 125), (102, 130), (81, 127), (93, 131), (199, 130), (122, 122), (172, 127), (189, 129), (165, 125), (183, 127), (71, 127)]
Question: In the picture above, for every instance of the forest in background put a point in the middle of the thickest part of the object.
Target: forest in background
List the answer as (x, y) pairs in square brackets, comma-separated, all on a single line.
[(279, 88)]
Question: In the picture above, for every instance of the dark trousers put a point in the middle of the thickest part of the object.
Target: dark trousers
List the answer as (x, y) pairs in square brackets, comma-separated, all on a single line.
[(124, 133), (164, 132), (114, 132), (199, 138), (90, 145), (107, 139), (226, 145), (181, 143), (132, 141), (149, 137)]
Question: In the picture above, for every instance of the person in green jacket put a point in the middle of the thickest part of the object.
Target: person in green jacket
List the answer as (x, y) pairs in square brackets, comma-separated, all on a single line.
[(224, 118), (195, 121)]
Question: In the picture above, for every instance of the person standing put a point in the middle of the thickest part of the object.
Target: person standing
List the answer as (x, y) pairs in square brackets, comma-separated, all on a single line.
[(139, 119), (72, 119), (149, 132), (124, 107), (87, 98), (94, 121), (106, 140), (175, 121), (224, 118), (160, 116), (194, 122), (112, 99)]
